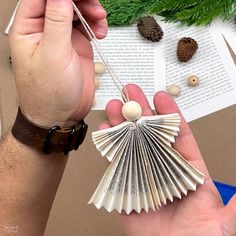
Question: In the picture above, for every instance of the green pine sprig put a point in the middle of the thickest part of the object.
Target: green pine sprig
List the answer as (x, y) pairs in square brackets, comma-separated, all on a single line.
[(198, 12), (125, 12)]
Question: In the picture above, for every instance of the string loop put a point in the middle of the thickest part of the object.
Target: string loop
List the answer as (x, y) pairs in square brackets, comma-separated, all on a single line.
[(93, 38)]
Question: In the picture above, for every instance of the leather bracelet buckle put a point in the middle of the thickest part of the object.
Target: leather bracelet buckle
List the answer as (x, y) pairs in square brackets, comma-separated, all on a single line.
[(80, 137)]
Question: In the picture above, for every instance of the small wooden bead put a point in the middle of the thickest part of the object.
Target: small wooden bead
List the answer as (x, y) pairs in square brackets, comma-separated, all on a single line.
[(174, 90), (192, 80), (97, 83), (131, 111), (99, 68)]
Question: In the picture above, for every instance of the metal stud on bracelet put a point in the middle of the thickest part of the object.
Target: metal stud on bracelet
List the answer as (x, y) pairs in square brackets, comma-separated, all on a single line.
[(69, 141), (82, 134), (47, 143)]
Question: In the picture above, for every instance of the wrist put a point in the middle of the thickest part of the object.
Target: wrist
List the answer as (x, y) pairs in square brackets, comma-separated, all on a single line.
[(48, 123)]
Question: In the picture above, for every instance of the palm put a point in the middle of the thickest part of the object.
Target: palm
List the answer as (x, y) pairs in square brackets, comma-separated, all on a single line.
[(201, 213), (70, 70), (194, 215), (76, 78)]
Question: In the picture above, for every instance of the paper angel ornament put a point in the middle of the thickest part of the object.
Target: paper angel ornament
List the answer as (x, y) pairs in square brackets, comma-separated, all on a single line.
[(145, 171)]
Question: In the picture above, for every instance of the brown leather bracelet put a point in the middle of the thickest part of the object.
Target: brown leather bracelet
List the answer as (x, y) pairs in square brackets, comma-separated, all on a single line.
[(54, 140)]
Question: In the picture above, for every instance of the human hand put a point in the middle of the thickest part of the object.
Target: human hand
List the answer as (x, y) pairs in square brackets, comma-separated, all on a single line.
[(53, 63), (201, 213)]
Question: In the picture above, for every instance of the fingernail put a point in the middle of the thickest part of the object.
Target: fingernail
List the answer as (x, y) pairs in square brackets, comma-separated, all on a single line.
[(101, 31)]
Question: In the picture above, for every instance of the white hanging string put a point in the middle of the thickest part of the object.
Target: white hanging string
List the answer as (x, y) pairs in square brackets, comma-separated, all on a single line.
[(122, 89)]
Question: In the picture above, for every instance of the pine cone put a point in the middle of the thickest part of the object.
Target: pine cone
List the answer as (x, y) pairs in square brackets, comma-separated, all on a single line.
[(187, 47), (150, 29)]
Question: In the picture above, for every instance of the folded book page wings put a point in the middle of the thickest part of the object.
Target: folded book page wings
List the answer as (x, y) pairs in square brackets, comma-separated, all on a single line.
[(145, 171)]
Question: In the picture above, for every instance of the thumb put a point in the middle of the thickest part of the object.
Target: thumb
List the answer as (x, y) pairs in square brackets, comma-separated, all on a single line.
[(229, 216), (58, 24)]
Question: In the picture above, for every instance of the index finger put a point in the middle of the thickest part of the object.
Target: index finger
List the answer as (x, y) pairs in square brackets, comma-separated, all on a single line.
[(30, 9), (28, 17)]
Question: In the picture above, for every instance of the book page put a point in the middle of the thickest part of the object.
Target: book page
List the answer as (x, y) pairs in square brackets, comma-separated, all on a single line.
[(228, 29), (134, 60), (212, 64)]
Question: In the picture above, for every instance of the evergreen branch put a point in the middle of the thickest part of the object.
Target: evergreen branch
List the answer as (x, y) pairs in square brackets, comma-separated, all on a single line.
[(199, 12), (173, 6), (124, 12), (204, 13)]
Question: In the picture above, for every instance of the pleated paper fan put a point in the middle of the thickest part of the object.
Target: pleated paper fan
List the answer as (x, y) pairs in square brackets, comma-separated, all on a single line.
[(145, 171)]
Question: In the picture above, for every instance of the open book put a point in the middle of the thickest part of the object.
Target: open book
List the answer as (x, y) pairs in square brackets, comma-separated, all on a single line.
[(154, 66)]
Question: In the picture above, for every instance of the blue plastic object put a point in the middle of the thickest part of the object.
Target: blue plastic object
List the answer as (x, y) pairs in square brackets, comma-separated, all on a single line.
[(226, 191)]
